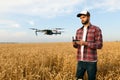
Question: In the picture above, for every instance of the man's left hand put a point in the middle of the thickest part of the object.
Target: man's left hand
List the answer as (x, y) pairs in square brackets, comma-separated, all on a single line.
[(82, 43)]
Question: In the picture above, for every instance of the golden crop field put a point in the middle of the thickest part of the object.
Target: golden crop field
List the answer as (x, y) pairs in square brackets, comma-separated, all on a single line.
[(54, 61)]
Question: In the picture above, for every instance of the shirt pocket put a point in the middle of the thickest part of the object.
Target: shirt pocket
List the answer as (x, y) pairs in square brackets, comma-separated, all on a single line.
[(79, 35), (91, 35)]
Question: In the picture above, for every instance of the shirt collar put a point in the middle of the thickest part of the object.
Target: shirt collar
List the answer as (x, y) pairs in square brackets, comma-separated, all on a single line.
[(87, 27)]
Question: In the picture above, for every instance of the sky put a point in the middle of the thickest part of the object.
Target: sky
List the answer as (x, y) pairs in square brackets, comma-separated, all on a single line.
[(17, 16)]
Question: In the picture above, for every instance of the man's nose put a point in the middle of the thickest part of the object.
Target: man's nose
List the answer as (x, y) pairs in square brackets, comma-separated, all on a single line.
[(82, 20)]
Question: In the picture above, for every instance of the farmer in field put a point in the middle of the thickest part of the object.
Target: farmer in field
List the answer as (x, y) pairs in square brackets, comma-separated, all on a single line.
[(90, 39)]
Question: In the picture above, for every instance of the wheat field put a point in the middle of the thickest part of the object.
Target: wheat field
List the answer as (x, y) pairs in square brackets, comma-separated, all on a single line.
[(54, 61)]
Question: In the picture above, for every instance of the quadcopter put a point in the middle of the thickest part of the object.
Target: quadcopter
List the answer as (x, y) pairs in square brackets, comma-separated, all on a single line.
[(48, 31)]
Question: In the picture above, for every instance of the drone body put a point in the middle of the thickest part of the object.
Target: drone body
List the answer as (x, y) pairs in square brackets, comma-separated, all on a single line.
[(48, 31)]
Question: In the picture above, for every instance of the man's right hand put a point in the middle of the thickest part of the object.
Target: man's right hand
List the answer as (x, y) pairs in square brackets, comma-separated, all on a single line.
[(75, 45)]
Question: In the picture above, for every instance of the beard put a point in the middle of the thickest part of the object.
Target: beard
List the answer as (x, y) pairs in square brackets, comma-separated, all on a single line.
[(85, 22)]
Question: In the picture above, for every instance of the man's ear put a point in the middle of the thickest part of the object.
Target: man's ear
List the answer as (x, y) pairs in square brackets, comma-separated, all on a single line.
[(89, 17)]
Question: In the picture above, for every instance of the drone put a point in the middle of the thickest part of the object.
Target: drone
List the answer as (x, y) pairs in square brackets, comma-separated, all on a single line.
[(55, 31)]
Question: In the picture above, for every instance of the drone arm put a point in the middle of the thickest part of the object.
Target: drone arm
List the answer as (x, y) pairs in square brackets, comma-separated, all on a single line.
[(36, 33)]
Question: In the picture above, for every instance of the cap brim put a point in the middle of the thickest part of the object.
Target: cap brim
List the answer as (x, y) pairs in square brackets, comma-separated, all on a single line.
[(78, 15)]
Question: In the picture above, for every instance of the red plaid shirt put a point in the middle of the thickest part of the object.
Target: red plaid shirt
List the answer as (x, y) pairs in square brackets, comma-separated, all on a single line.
[(94, 40)]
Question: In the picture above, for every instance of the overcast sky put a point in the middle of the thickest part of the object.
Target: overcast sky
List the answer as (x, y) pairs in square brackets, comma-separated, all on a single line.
[(17, 16)]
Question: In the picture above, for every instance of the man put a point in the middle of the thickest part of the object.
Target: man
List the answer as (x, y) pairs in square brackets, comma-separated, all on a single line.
[(90, 39)]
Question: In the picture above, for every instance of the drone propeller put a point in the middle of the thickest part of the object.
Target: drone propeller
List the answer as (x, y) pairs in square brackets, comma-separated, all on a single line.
[(62, 31), (58, 28), (54, 30), (33, 28)]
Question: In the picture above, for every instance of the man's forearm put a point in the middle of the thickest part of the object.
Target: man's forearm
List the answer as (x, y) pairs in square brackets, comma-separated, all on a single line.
[(96, 45)]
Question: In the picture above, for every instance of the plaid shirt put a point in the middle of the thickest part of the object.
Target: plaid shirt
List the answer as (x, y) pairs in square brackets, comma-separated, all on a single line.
[(94, 42)]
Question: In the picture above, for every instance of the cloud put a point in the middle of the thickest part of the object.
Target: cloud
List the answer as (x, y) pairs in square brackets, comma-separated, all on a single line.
[(10, 34), (9, 24), (104, 5), (31, 22), (52, 8), (112, 5), (46, 8), (19, 34)]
